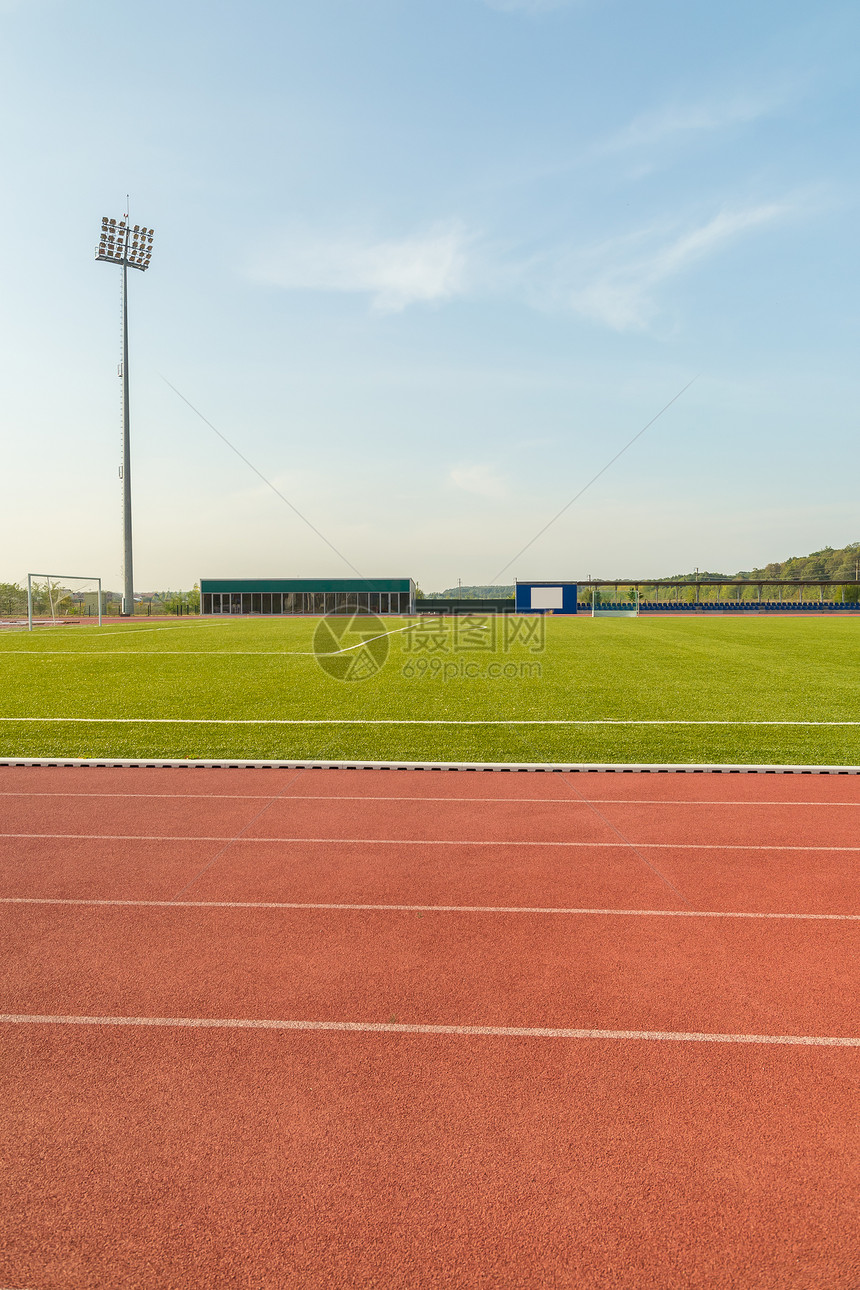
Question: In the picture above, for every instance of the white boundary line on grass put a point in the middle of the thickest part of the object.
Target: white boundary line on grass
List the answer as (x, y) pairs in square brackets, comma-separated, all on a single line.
[(624, 768), (406, 721), (418, 909), (395, 1028), (130, 630)]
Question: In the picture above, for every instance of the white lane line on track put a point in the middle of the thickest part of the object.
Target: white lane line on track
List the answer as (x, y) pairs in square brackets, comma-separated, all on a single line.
[(396, 1028), (421, 909), (402, 721), (424, 842), (478, 801)]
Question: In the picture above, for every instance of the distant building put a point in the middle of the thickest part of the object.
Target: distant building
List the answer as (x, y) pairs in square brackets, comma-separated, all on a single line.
[(307, 595), (545, 597)]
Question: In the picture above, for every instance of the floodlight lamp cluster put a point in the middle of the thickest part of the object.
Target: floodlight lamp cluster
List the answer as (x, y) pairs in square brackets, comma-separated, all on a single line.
[(120, 243)]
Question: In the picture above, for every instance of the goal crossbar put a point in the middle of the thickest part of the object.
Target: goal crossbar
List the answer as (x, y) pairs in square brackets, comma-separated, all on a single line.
[(57, 578)]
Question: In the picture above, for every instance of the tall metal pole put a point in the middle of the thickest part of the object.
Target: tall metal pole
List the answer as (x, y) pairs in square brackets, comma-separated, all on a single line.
[(128, 569), (129, 247)]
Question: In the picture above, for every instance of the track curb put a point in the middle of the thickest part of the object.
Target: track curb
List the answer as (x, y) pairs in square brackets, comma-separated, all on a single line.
[(652, 768)]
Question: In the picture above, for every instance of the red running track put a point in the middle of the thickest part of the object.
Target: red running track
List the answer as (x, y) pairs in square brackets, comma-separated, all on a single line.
[(493, 1030)]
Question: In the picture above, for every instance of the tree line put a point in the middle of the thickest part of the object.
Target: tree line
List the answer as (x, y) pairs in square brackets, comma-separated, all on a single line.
[(51, 600)]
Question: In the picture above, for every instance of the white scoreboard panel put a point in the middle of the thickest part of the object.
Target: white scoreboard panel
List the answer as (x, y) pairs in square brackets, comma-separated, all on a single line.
[(547, 598)]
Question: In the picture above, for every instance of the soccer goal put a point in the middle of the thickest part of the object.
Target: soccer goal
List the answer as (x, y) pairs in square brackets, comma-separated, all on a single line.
[(605, 604), (57, 598)]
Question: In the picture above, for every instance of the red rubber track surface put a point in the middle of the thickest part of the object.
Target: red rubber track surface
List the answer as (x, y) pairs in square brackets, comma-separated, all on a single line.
[(151, 1156)]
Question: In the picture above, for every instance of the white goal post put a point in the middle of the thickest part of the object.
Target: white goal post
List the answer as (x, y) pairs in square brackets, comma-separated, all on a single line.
[(613, 608), (55, 582)]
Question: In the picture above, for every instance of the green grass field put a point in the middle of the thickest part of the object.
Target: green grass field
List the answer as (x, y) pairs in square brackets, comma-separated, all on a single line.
[(186, 684)]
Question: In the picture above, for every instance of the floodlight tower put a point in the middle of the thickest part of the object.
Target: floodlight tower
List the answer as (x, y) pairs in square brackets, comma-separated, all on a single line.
[(119, 243)]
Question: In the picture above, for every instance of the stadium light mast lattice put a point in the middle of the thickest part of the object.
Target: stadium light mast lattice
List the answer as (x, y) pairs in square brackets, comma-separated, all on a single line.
[(131, 247)]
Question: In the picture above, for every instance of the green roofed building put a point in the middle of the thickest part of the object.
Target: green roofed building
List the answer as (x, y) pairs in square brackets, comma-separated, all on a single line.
[(307, 595)]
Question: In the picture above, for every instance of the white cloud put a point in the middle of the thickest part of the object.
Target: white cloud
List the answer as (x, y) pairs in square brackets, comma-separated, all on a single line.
[(480, 479), (426, 267), (620, 294), (614, 283), (685, 119)]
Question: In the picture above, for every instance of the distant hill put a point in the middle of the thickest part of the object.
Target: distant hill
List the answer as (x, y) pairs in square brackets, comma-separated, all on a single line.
[(829, 562)]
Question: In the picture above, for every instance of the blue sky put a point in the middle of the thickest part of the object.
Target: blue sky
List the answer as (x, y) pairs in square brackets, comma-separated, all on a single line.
[(429, 264)]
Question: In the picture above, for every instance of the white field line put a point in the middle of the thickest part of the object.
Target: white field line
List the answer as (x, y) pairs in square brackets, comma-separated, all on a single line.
[(395, 1028), (419, 842), (122, 631), (478, 801), (207, 653), (404, 721), (418, 909), (396, 631)]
